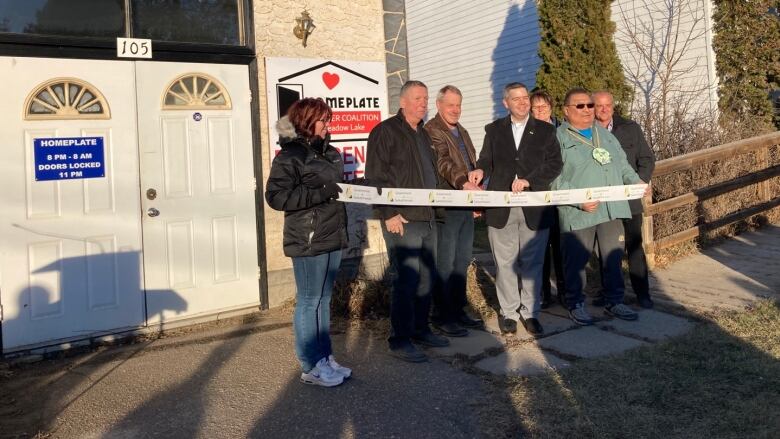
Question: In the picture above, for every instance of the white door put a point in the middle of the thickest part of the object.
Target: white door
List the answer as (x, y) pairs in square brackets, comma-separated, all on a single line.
[(69, 249), (197, 185)]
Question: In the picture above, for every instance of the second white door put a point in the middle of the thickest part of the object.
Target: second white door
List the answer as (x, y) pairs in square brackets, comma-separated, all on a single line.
[(197, 188)]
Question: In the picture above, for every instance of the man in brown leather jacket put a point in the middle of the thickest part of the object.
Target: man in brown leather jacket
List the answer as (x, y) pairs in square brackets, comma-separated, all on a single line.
[(456, 157)]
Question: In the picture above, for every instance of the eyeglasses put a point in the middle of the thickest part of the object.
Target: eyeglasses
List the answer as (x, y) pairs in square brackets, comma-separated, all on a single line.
[(540, 107), (581, 106)]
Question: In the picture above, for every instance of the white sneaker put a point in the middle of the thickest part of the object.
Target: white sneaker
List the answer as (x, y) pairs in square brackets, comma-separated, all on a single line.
[(339, 369), (322, 375)]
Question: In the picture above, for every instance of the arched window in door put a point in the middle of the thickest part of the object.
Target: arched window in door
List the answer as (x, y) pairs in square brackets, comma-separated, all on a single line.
[(66, 98), (196, 91)]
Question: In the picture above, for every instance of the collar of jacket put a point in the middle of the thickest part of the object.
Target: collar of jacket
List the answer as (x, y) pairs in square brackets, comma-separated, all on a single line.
[(506, 122), (308, 144), (439, 123), (618, 120), (565, 126), (400, 115)]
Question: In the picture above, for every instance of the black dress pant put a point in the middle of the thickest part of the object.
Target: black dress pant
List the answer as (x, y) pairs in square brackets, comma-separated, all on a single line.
[(637, 263)]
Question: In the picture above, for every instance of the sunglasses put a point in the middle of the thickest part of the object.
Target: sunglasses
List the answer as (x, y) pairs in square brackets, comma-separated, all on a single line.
[(581, 106)]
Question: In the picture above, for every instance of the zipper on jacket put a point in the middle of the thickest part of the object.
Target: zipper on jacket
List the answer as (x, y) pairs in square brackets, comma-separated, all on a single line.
[(420, 167), (313, 225)]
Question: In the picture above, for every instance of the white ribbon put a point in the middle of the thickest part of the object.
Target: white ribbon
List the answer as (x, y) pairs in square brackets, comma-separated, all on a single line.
[(452, 198)]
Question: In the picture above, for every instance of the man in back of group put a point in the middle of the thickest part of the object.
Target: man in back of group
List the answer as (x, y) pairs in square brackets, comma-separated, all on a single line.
[(456, 157), (400, 155), (519, 153), (592, 157), (641, 158)]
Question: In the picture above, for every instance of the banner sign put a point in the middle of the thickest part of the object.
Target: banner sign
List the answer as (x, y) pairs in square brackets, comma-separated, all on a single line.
[(451, 198), (356, 91), (65, 158)]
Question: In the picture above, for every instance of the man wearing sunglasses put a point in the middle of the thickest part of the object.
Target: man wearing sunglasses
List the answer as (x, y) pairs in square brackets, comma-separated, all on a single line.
[(519, 154), (592, 157)]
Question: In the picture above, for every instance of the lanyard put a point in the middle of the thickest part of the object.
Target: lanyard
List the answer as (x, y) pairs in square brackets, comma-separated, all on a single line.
[(599, 154)]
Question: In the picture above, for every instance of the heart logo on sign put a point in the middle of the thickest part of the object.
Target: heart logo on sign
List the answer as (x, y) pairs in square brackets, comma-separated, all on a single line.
[(330, 79)]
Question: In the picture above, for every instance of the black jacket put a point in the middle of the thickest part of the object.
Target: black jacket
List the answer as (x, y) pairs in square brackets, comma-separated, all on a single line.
[(538, 160), (314, 223), (393, 160), (638, 153)]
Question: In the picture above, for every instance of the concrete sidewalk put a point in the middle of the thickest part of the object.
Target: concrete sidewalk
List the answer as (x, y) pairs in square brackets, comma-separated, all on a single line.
[(243, 381), (225, 384)]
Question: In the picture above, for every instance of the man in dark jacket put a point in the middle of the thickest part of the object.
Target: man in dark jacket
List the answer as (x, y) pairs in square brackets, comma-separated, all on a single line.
[(456, 157), (519, 153), (641, 158), (400, 155)]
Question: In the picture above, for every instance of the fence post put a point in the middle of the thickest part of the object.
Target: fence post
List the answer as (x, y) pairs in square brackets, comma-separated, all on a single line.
[(647, 232), (762, 162)]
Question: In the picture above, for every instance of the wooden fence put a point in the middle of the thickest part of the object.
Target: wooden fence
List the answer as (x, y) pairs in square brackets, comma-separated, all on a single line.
[(687, 162)]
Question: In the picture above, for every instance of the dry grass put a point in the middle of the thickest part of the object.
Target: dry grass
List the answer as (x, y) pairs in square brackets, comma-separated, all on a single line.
[(720, 380), (362, 297), (481, 292)]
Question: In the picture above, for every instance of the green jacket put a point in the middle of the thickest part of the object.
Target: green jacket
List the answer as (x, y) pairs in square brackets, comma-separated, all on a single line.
[(581, 170)]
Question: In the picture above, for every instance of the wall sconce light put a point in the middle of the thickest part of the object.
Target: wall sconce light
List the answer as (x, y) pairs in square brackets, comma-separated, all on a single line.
[(304, 27)]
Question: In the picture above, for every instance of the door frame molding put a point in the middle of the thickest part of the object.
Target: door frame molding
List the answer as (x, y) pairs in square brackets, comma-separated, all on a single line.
[(257, 155)]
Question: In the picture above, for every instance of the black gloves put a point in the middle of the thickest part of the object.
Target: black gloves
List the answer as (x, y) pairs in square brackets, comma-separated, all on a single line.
[(331, 189)]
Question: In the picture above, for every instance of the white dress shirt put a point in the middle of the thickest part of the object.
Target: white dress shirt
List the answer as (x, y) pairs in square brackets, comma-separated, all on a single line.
[(517, 130)]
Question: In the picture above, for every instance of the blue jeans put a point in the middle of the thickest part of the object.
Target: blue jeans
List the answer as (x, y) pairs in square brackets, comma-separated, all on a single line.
[(455, 242), (413, 263), (577, 246), (314, 278)]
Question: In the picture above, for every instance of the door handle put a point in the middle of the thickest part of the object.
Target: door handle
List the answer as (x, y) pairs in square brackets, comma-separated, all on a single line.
[(152, 212)]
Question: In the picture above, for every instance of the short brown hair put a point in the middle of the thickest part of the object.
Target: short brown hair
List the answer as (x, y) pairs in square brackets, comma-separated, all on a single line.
[(543, 95), (511, 86), (448, 89), (305, 113)]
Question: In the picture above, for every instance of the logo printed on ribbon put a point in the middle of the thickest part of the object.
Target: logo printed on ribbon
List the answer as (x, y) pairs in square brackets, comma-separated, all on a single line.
[(454, 198)]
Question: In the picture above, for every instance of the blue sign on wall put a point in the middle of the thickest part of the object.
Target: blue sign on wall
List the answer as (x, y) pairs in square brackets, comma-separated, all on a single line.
[(65, 158)]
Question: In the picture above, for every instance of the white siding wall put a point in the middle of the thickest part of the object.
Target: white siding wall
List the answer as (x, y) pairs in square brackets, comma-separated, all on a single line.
[(649, 20), (481, 46), (476, 46)]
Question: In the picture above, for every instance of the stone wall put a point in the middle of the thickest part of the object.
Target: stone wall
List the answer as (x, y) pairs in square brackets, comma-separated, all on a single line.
[(395, 49), (346, 30)]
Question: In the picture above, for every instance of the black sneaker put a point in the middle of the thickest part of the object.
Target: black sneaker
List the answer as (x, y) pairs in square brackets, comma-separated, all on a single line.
[(532, 326), (467, 322), (507, 326), (409, 353), (645, 302), (431, 340), (450, 329)]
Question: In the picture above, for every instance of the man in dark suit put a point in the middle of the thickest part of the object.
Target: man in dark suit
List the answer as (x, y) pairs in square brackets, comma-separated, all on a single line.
[(519, 153), (641, 158)]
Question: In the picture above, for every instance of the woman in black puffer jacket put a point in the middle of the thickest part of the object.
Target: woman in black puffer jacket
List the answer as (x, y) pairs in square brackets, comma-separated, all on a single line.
[(303, 184)]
